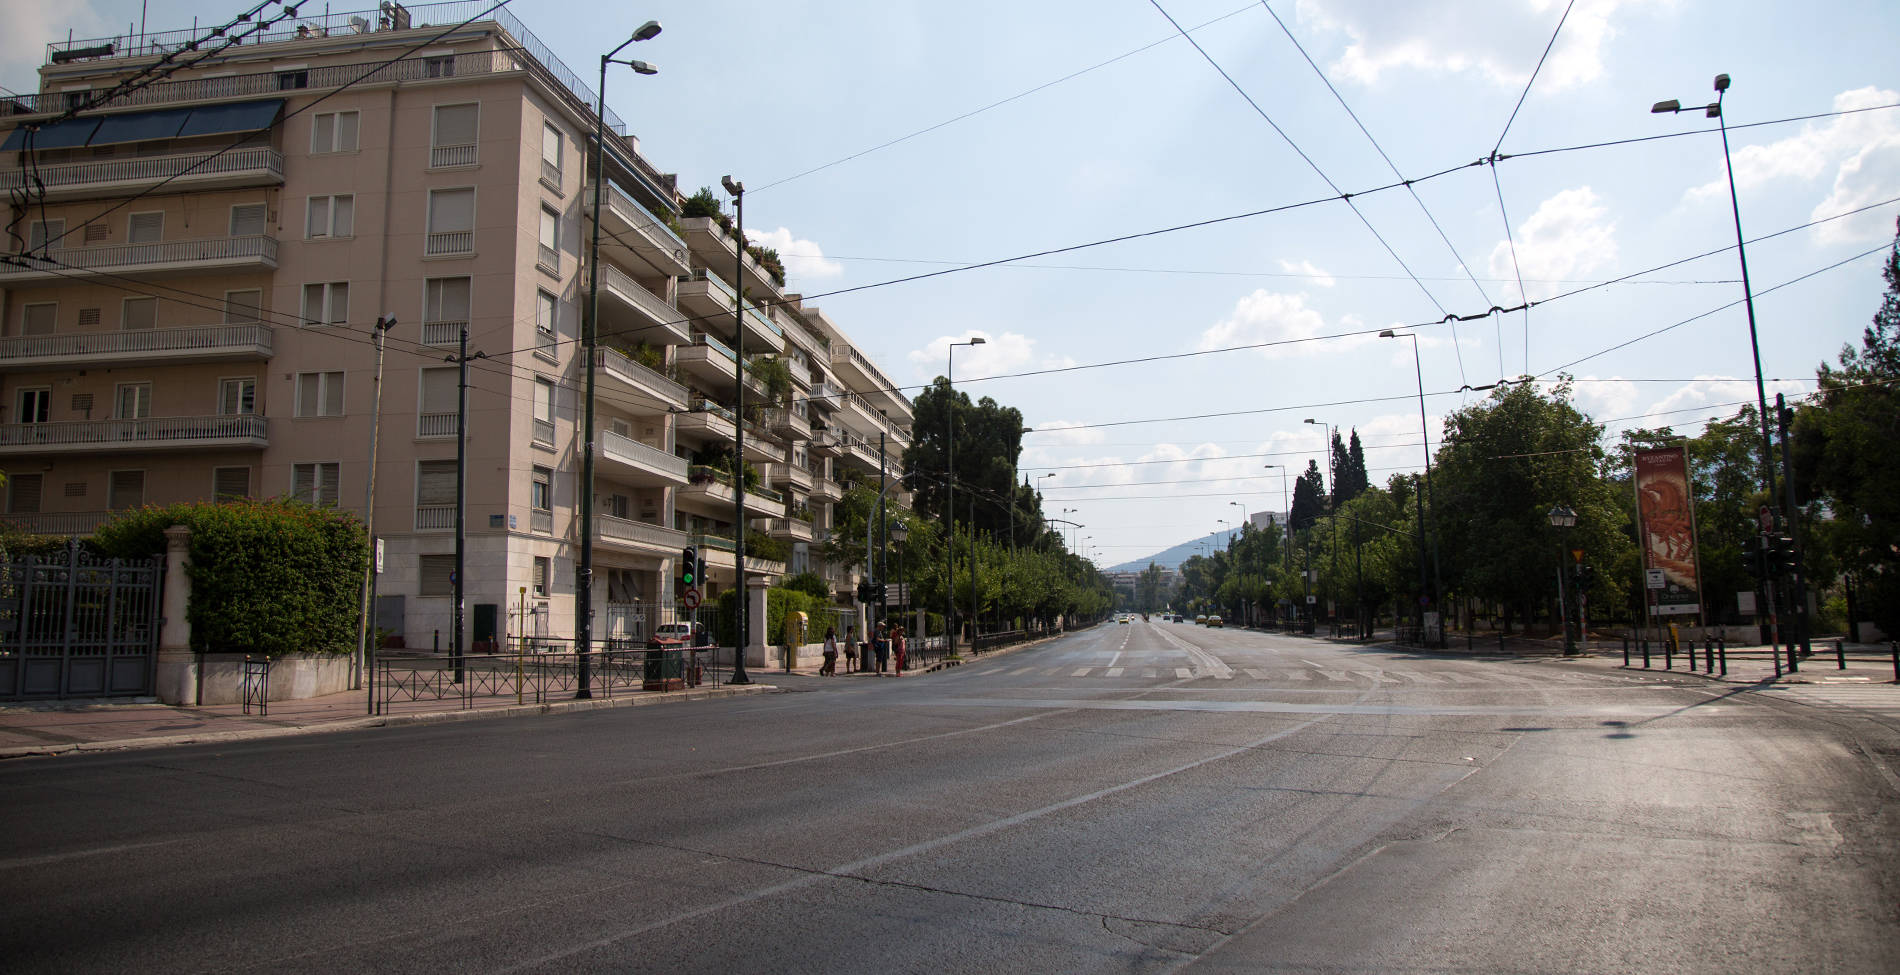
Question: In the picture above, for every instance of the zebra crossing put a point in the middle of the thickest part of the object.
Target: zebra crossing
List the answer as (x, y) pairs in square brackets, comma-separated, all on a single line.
[(1873, 698), (1314, 677)]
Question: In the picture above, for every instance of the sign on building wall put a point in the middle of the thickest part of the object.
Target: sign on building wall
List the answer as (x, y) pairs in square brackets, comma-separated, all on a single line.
[(1665, 511)]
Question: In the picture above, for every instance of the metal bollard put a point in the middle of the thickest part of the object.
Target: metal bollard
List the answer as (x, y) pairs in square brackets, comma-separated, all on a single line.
[(1645, 644), (1669, 655), (1840, 654), (1722, 644), (1896, 660), (1626, 651)]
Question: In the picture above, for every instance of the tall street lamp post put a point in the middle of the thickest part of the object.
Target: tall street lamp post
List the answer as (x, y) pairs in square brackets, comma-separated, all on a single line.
[(737, 189), (950, 498), (1424, 499), (1247, 605), (1332, 505), (1563, 519), (584, 573), (366, 630), (1286, 519)]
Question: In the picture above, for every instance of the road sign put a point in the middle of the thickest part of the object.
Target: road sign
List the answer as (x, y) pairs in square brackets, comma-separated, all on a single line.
[(897, 594), (1310, 600), (1653, 579), (690, 599), (1766, 517)]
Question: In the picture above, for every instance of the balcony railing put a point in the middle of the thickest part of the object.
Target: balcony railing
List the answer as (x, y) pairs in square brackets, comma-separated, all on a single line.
[(268, 83), (450, 242), (551, 174), (543, 431), (262, 160), (618, 447), (436, 424), (640, 533), (642, 219), (57, 522), (613, 362), (547, 258), (701, 338), (442, 333), (170, 431), (669, 318), (132, 256), (430, 517), (541, 520), (196, 338), (442, 157)]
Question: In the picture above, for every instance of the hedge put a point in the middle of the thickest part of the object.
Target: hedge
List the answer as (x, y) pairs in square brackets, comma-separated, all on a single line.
[(268, 577)]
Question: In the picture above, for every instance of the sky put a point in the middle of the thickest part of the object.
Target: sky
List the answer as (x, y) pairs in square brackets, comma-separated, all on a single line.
[(1177, 284)]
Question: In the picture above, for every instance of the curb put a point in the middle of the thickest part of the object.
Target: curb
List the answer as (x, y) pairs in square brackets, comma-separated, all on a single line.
[(379, 721)]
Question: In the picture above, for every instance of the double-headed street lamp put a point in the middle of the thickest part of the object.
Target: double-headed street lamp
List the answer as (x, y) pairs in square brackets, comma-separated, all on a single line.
[(737, 189), (1563, 519), (584, 575), (950, 502)]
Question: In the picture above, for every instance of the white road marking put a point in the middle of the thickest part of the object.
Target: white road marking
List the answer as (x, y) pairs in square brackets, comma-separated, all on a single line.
[(1082, 672), (1183, 673), (1114, 672)]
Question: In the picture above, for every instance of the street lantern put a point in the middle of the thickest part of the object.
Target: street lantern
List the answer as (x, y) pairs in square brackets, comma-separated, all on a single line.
[(1563, 519)]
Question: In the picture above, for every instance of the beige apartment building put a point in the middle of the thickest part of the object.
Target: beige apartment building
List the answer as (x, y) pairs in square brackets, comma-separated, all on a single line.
[(196, 268)]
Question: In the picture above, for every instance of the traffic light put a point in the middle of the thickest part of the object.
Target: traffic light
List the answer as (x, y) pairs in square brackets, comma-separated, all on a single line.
[(689, 568), (1780, 553), (877, 594), (1753, 563), (1586, 576)]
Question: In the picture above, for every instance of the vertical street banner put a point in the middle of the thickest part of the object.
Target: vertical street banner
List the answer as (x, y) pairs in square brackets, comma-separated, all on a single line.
[(1665, 511)]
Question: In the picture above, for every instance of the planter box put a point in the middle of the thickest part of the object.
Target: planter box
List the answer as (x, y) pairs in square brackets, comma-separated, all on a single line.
[(218, 678)]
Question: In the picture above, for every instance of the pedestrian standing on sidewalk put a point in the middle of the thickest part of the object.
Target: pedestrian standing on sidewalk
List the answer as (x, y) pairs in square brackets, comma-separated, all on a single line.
[(830, 668), (851, 648), (897, 643), (883, 647)]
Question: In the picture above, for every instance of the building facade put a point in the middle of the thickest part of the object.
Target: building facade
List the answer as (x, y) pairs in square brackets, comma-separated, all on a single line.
[(196, 267)]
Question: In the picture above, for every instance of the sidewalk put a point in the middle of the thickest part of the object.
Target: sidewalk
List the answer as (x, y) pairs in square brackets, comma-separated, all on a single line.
[(1866, 663), (62, 727)]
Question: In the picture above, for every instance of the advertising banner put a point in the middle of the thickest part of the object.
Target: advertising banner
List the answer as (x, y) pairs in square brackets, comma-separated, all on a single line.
[(1665, 511)]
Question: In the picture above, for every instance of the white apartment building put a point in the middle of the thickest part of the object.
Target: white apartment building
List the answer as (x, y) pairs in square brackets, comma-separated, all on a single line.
[(187, 311)]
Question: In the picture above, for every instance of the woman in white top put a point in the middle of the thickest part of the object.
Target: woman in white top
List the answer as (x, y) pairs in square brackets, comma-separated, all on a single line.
[(830, 668)]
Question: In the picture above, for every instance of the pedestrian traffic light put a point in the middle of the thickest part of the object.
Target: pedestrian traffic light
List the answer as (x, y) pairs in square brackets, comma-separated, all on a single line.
[(1781, 554), (689, 568), (877, 594), (1586, 576)]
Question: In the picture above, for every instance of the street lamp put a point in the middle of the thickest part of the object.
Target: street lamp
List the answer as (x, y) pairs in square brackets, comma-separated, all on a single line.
[(584, 574), (1286, 519), (1425, 498), (1714, 110), (1332, 500), (1563, 519), (950, 486), (900, 533), (737, 189)]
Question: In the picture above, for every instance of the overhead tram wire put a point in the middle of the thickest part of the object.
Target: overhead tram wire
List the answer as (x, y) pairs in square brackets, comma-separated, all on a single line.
[(1343, 196), (1496, 184), (997, 104)]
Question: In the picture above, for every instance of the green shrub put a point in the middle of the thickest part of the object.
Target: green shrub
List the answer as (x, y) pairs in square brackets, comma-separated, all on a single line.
[(267, 577), (810, 583)]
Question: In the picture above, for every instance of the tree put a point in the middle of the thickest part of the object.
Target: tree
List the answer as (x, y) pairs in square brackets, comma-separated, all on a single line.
[(1349, 469), (988, 443), (1309, 498)]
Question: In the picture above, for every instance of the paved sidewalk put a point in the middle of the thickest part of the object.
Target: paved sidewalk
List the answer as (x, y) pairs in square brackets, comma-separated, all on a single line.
[(1865, 663), (61, 727)]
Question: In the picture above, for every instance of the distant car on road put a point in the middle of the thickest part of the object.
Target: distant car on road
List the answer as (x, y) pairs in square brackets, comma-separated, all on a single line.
[(1199, 619), (1122, 620), (1215, 622)]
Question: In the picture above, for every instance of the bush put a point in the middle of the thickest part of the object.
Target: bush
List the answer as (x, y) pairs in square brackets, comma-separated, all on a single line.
[(780, 603), (267, 577), (810, 583)]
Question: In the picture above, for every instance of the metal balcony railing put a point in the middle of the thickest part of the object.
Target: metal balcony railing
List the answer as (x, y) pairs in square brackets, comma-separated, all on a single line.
[(637, 373), (57, 522), (543, 431), (631, 210), (442, 157), (431, 517), (449, 242), (541, 520), (127, 256), (142, 169), (442, 333), (618, 282), (196, 338), (547, 258), (152, 431), (436, 424)]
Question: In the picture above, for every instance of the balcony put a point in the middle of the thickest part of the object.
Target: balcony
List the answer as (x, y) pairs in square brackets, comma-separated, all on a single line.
[(448, 243), (861, 373), (198, 343), (709, 361), (449, 157), (632, 234), (431, 425), (435, 517), (826, 396), (791, 474), (637, 313), (711, 486), (719, 551), (791, 529), (105, 178), (717, 249), (253, 253), (636, 463), (242, 432), (826, 489), (443, 334), (636, 385), (760, 450), (706, 420), (67, 523), (790, 424), (638, 536)]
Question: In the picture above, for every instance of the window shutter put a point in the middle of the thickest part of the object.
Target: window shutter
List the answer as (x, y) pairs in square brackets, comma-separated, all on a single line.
[(329, 484), (303, 478), (308, 387), (145, 228), (433, 572), (439, 390), (435, 482), (231, 482), (551, 145), (138, 314), (455, 125), (332, 394), (317, 217), (39, 319), (346, 125), (448, 300), (241, 307), (343, 216), (128, 490), (23, 494), (451, 211), (323, 133), (248, 220)]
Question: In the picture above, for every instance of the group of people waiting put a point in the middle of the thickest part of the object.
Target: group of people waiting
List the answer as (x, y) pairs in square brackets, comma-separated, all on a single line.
[(887, 640)]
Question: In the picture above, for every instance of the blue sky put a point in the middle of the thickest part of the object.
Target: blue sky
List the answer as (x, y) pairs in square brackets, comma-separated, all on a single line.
[(1149, 134)]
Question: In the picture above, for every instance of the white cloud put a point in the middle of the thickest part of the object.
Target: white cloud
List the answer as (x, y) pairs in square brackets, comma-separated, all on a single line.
[(1861, 151), (30, 26), (1306, 269), (1567, 235), (998, 355), (1710, 391), (1270, 316), (1606, 399), (803, 258), (1499, 40)]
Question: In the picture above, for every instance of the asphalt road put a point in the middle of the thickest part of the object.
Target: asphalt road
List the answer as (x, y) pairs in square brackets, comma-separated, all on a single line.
[(1134, 798)]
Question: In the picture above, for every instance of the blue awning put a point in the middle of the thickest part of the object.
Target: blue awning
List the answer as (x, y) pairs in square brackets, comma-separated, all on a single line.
[(235, 117), (140, 126), (60, 135)]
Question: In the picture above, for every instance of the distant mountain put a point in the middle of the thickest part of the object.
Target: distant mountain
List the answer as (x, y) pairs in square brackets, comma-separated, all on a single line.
[(1173, 557)]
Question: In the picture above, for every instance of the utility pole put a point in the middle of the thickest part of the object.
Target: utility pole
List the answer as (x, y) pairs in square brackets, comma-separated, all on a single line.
[(737, 189), (365, 631), (461, 495)]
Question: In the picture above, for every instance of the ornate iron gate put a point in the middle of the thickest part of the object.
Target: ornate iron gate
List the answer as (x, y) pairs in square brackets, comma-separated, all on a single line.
[(74, 625)]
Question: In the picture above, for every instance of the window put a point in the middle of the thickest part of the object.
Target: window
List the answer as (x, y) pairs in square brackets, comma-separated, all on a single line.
[(127, 490), (230, 482), (445, 304), (23, 494), (44, 233), (145, 228), (237, 397), (541, 500), (451, 221), (546, 321), (138, 314), (38, 319), (618, 506), (433, 572), (441, 395), (249, 219), (551, 154), (453, 140), (316, 483), (443, 67), (319, 394), (334, 132), (326, 304), (291, 80), (132, 401), (34, 404), (548, 256), (543, 410), (435, 483), (543, 568), (242, 307), (330, 216)]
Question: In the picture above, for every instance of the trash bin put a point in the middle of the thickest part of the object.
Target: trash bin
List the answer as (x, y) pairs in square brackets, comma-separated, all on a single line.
[(663, 671)]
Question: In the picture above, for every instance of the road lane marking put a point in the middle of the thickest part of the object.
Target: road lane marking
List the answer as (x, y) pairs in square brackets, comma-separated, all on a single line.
[(1184, 673), (1082, 672), (1114, 672)]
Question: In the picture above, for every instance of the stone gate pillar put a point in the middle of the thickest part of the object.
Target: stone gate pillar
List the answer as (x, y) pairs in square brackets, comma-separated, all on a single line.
[(175, 678)]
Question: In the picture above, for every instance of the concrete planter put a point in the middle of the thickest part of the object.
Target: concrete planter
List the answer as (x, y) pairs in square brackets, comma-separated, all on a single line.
[(218, 678)]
